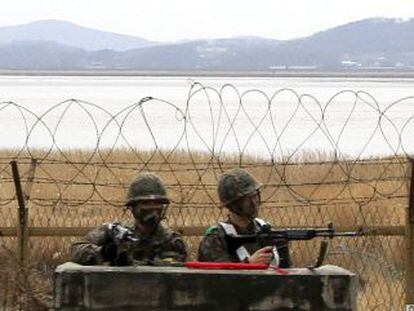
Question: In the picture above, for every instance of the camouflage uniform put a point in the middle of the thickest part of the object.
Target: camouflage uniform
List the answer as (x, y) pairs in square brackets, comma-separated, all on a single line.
[(234, 185), (146, 193), (164, 245), (213, 246)]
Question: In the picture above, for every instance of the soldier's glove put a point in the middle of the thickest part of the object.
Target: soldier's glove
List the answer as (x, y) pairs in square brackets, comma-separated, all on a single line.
[(122, 259), (115, 254), (89, 259), (109, 251)]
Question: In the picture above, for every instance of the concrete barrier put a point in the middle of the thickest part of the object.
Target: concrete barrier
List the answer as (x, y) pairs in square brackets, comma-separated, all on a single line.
[(177, 288)]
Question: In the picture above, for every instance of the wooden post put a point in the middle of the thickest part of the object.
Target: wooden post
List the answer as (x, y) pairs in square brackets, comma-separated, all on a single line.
[(409, 242), (22, 223), (30, 179)]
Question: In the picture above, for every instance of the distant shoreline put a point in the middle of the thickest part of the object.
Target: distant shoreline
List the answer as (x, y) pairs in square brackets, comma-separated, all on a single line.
[(238, 74)]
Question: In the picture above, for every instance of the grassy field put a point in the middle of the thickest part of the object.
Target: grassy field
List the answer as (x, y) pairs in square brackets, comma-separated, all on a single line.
[(80, 189)]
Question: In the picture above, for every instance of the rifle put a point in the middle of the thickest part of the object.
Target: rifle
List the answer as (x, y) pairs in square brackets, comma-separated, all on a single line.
[(280, 238), (122, 238), (121, 234)]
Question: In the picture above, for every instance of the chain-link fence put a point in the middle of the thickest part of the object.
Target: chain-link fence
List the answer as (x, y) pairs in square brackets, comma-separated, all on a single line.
[(316, 162)]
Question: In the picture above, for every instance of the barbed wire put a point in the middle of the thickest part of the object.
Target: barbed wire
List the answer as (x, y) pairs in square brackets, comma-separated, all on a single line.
[(212, 132)]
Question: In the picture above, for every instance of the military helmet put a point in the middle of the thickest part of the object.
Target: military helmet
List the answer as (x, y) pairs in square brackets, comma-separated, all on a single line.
[(236, 183), (147, 186)]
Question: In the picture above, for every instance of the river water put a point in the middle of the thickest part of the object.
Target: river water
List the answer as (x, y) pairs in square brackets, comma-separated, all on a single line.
[(278, 117)]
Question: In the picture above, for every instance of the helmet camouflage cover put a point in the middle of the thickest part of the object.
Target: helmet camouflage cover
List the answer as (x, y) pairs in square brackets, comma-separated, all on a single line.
[(236, 183), (147, 186)]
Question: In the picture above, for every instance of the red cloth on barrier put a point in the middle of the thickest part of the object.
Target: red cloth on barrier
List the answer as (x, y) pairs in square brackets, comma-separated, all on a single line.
[(225, 265), (230, 265)]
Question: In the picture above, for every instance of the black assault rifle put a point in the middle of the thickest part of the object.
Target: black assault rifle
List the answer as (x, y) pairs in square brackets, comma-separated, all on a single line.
[(121, 239), (121, 234), (280, 238)]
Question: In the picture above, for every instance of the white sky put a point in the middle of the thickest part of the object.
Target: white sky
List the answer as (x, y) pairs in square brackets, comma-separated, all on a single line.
[(168, 20)]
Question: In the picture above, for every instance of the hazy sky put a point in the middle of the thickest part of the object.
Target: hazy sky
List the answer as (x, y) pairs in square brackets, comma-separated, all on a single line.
[(164, 20)]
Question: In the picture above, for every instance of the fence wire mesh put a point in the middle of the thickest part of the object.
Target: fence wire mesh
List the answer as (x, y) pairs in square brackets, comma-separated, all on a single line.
[(344, 160)]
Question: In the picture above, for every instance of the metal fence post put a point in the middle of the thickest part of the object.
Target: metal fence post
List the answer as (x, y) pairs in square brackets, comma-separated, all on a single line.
[(409, 242), (22, 224)]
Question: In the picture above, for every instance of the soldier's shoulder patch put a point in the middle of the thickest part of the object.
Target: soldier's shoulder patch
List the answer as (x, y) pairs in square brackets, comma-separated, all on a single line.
[(211, 230)]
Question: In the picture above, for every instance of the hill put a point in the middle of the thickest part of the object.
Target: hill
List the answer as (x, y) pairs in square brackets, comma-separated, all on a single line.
[(371, 43)]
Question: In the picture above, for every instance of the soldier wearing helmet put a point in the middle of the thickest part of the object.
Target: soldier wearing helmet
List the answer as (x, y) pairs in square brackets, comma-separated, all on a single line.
[(146, 241), (239, 192)]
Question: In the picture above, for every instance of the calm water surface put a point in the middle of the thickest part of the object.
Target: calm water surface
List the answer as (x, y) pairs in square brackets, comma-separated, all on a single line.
[(276, 117)]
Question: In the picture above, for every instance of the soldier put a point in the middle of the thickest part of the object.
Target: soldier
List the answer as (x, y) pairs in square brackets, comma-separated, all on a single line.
[(147, 241), (239, 192)]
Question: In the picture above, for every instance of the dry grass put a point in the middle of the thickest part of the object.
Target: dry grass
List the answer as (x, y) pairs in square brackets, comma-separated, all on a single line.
[(67, 192)]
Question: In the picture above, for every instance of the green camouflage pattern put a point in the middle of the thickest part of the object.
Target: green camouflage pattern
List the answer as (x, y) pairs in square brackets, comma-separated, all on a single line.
[(164, 246)]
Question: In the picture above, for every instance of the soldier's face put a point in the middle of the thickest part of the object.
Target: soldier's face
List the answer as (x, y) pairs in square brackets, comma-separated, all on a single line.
[(249, 205), (148, 213)]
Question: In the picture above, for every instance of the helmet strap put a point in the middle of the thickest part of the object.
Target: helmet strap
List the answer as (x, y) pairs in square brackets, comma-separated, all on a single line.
[(239, 210), (240, 220)]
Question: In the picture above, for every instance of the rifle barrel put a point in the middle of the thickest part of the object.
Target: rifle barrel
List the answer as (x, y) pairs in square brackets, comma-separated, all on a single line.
[(350, 233)]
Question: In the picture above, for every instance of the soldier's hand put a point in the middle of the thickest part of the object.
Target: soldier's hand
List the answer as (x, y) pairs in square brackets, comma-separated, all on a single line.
[(109, 251), (125, 246), (122, 259), (263, 256)]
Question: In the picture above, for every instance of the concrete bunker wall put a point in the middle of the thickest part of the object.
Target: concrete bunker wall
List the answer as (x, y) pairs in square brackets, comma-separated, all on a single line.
[(178, 288)]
